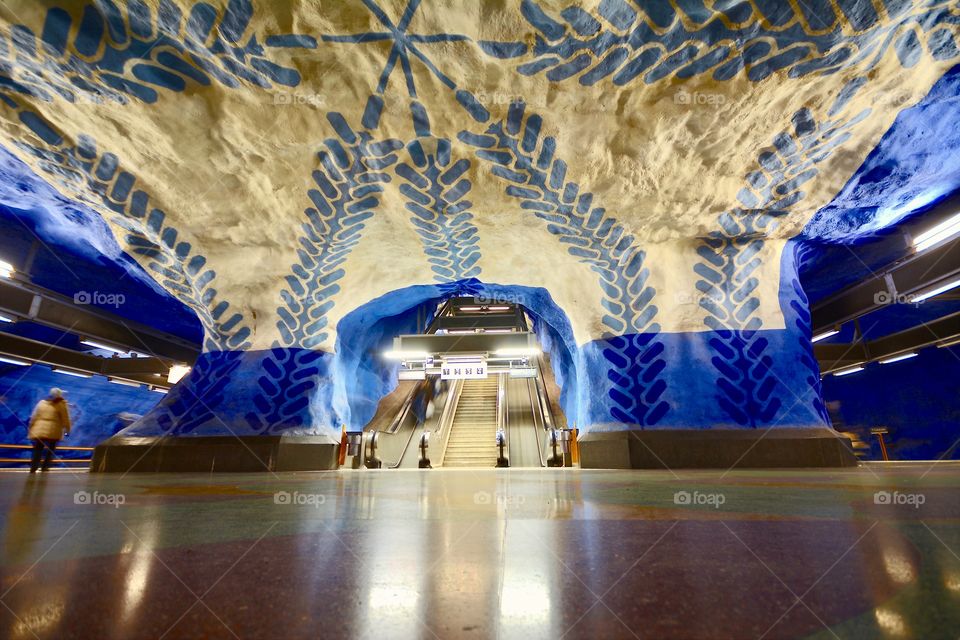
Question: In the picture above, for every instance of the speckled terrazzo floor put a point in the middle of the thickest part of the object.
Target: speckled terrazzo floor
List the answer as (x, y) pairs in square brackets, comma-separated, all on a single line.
[(511, 554)]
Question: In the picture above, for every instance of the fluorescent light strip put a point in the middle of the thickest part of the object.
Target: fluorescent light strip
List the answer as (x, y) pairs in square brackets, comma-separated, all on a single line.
[(943, 231), (461, 332), (517, 351), (100, 345), (469, 308), (6, 269), (498, 330), (16, 361), (177, 372), (935, 292), (158, 390), (846, 372), (125, 383), (4, 318), (902, 356), (824, 335), (405, 355), (75, 374), (499, 308)]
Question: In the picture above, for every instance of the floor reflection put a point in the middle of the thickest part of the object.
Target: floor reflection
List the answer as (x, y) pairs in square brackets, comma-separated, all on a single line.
[(508, 554)]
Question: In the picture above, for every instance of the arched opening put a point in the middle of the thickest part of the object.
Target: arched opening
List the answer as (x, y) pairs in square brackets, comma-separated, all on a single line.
[(363, 376)]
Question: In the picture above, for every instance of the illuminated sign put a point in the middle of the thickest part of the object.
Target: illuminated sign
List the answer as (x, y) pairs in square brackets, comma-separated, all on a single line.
[(463, 369)]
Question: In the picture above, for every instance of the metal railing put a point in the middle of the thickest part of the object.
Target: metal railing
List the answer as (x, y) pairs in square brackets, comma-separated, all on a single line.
[(56, 459)]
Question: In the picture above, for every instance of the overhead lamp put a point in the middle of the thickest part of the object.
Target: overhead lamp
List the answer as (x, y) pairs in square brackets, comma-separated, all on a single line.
[(16, 361), (460, 332), (902, 356), (124, 383), (140, 355), (498, 330), (177, 372), (6, 270), (105, 347), (926, 295), (517, 351), (938, 234), (825, 335), (848, 371), (502, 307), (158, 390), (75, 374), (399, 354), (5, 318), (469, 308)]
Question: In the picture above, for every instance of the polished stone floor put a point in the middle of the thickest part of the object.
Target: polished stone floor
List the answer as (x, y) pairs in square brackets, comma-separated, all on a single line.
[(484, 554)]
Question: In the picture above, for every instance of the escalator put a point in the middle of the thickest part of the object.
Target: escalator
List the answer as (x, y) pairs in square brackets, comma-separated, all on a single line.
[(472, 440), (443, 415)]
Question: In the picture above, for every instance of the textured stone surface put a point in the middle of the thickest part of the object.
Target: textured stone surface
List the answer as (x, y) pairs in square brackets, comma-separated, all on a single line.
[(277, 166)]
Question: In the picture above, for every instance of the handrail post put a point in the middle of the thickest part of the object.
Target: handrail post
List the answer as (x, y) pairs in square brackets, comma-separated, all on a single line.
[(424, 455), (371, 461)]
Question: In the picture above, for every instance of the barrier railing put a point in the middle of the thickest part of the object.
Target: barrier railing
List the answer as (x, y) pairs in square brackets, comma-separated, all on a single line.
[(56, 459)]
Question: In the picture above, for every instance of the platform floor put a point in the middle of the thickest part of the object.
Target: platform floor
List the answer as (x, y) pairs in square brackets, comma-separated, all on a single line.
[(483, 554)]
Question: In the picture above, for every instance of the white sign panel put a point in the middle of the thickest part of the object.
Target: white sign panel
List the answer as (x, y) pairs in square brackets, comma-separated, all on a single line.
[(463, 370)]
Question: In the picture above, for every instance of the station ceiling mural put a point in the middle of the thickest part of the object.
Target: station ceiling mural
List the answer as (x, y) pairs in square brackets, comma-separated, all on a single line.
[(647, 165)]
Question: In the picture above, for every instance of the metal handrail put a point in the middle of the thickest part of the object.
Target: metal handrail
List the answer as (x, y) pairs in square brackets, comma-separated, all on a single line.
[(503, 421), (404, 413), (59, 448), (537, 412)]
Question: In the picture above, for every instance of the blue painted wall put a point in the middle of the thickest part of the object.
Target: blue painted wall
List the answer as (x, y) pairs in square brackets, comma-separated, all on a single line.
[(97, 407), (916, 399)]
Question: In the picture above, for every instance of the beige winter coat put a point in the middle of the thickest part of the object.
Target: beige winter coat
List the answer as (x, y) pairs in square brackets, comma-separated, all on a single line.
[(50, 420)]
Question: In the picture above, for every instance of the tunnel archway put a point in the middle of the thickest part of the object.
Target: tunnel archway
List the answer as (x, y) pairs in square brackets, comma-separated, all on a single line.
[(361, 376)]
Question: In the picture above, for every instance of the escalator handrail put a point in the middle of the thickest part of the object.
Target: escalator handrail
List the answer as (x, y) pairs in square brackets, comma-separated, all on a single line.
[(404, 412), (537, 412), (503, 413)]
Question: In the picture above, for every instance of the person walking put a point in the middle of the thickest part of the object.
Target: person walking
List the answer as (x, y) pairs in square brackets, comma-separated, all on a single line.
[(49, 423)]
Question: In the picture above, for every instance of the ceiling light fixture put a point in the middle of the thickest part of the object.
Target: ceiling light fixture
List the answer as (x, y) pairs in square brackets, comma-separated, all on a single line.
[(938, 234), (16, 361), (846, 372), (75, 374), (125, 383), (902, 356), (405, 355), (824, 335), (926, 295), (104, 347), (6, 270), (5, 318), (517, 351), (177, 372)]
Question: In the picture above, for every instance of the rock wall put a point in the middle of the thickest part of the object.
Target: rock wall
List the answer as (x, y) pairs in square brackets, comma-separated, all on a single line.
[(279, 166)]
